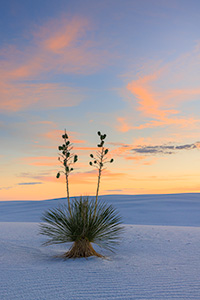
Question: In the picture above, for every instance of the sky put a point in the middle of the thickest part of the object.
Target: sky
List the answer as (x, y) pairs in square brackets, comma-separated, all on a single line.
[(130, 69)]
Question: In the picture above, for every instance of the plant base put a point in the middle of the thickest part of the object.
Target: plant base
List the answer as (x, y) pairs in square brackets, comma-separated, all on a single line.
[(81, 248)]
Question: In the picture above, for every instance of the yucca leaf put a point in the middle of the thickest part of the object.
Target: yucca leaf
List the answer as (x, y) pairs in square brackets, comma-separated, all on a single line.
[(103, 227)]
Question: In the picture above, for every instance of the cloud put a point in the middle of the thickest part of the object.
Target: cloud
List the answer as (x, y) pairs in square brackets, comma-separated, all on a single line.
[(123, 126), (64, 35), (113, 190), (137, 158), (86, 148), (6, 188), (49, 161), (75, 177), (164, 149), (29, 183), (61, 46), (56, 135), (143, 154), (125, 151), (16, 96), (41, 161), (151, 105), (159, 93)]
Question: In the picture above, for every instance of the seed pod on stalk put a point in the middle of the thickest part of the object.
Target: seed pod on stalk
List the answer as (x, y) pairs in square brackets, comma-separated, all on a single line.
[(67, 158), (98, 161)]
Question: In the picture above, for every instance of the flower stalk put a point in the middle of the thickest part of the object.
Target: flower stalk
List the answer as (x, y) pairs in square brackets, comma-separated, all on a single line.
[(67, 159), (99, 160)]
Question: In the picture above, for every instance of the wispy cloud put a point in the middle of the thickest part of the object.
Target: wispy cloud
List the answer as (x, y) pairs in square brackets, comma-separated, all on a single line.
[(41, 161), (61, 46), (6, 188), (75, 177), (141, 153), (158, 96), (151, 105), (113, 190), (29, 183), (56, 135), (164, 149), (16, 96)]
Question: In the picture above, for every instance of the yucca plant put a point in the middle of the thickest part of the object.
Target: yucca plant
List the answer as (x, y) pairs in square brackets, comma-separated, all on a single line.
[(82, 228), (84, 221)]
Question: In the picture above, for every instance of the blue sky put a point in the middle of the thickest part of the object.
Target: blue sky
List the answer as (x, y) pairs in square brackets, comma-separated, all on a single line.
[(128, 68)]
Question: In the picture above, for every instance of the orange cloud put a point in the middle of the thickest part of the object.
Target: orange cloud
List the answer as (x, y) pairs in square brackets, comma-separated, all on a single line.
[(123, 126), (66, 35), (149, 104), (16, 96), (91, 177), (152, 103), (159, 96), (58, 47), (135, 157), (56, 135), (197, 145), (41, 161), (87, 148), (124, 151), (76, 178)]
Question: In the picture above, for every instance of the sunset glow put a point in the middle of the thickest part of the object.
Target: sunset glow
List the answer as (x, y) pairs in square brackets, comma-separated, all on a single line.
[(127, 68)]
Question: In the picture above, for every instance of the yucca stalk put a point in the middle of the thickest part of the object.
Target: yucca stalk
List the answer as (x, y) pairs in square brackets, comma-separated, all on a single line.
[(67, 159), (85, 221), (86, 224), (99, 160)]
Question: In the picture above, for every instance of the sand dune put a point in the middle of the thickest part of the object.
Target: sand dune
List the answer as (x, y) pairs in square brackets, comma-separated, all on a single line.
[(153, 261)]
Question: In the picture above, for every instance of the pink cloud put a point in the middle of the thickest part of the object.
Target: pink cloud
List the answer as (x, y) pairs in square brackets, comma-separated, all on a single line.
[(56, 135), (137, 158), (80, 177), (16, 96), (65, 34), (152, 104), (198, 145), (41, 161), (123, 126), (61, 46), (124, 150), (159, 96)]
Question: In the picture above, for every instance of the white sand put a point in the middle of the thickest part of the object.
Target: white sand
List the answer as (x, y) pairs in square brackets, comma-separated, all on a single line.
[(152, 261)]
